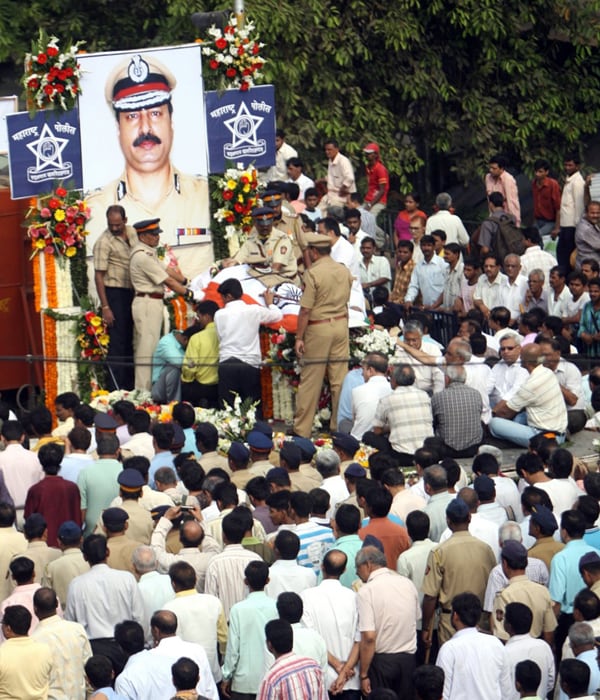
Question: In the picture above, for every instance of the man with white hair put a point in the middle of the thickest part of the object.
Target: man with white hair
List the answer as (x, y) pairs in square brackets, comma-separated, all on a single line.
[(403, 419), (541, 399), (514, 287), (583, 644), (457, 415), (508, 375), (444, 220), (154, 588), (327, 463), (427, 377), (535, 571)]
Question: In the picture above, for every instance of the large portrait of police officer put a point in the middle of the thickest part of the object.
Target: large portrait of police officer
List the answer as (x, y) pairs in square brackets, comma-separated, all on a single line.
[(144, 142)]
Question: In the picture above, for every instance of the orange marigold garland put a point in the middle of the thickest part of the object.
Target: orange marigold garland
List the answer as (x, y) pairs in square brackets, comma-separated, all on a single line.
[(266, 378), (50, 366), (51, 292), (179, 312), (37, 283)]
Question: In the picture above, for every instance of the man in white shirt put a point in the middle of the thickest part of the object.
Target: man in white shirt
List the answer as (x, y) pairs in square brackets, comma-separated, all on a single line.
[(200, 617), (521, 645), (507, 493), (444, 220), (285, 574), (487, 675), (366, 396), (508, 375), (488, 291), (488, 508), (514, 287), (571, 209), (570, 382), (283, 153), (148, 676), (340, 177), (428, 377), (237, 327), (405, 499), (331, 610), (535, 257), (295, 173), (374, 269), (102, 597), (327, 463), (20, 468), (155, 588)]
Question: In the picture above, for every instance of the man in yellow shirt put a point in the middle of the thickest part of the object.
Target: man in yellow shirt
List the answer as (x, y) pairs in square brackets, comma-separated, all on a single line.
[(199, 371), (25, 664)]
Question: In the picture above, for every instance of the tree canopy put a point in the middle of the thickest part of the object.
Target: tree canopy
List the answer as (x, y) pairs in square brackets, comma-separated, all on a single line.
[(439, 84)]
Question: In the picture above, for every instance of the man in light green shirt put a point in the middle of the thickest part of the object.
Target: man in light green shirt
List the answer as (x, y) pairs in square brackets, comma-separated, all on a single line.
[(345, 526), (245, 659), (98, 483)]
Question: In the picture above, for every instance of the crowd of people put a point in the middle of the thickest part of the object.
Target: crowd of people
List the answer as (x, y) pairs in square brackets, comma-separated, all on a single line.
[(137, 562)]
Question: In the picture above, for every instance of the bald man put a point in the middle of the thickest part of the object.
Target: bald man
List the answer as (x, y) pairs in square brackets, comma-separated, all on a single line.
[(150, 677), (537, 407), (331, 610), (197, 548)]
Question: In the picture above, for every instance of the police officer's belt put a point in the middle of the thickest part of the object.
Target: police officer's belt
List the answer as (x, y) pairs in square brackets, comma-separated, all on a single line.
[(328, 320)]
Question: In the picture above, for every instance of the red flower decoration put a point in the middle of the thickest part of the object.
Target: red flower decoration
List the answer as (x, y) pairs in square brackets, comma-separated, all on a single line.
[(244, 86), (230, 72), (42, 58), (213, 64), (61, 192), (52, 51), (221, 44), (227, 195)]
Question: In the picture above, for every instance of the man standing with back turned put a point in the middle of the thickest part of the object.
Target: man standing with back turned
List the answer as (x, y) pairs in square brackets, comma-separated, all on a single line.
[(113, 284), (322, 335)]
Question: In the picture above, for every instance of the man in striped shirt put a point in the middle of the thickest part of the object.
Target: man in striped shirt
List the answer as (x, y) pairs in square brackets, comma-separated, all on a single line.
[(315, 539), (291, 677)]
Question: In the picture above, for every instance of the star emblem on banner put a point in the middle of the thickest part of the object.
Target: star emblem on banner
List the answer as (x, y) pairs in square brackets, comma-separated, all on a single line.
[(244, 126), (48, 150)]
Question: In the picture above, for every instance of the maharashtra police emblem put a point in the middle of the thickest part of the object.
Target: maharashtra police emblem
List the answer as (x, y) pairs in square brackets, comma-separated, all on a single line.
[(138, 69)]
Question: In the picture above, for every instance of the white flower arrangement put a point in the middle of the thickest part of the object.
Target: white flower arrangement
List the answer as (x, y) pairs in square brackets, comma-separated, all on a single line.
[(375, 340)]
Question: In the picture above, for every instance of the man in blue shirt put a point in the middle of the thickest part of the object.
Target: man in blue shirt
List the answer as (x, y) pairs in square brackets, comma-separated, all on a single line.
[(166, 365)]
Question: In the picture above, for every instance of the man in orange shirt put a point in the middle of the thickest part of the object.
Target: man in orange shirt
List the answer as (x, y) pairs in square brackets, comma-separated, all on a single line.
[(393, 537)]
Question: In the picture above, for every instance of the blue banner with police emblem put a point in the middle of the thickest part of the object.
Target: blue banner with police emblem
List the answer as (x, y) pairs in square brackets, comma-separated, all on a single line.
[(241, 127), (42, 151)]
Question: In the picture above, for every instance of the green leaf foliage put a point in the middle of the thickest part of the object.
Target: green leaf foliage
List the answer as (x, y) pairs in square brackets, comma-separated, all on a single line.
[(439, 84)]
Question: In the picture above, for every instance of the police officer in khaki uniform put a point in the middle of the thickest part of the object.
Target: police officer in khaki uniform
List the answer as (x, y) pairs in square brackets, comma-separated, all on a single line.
[(148, 276), (120, 547), (521, 590), (138, 90), (267, 246), (113, 284), (290, 223), (322, 337), (141, 526), (461, 563)]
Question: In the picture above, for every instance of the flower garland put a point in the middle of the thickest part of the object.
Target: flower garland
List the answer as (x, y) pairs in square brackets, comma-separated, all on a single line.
[(50, 276), (266, 376), (51, 77), (236, 194), (50, 364), (56, 223), (234, 55), (373, 340), (93, 338)]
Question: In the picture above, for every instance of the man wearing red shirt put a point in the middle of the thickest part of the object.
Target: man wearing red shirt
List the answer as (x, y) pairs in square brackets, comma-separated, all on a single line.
[(378, 180), (546, 200), (55, 498)]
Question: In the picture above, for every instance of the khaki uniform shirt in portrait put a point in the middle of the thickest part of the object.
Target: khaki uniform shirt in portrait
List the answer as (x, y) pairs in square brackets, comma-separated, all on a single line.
[(12, 544), (535, 596), (327, 287), (461, 563), (60, 572), (545, 548), (186, 204), (111, 255), (389, 605), (147, 273), (311, 472), (121, 548), (277, 249), (241, 477)]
